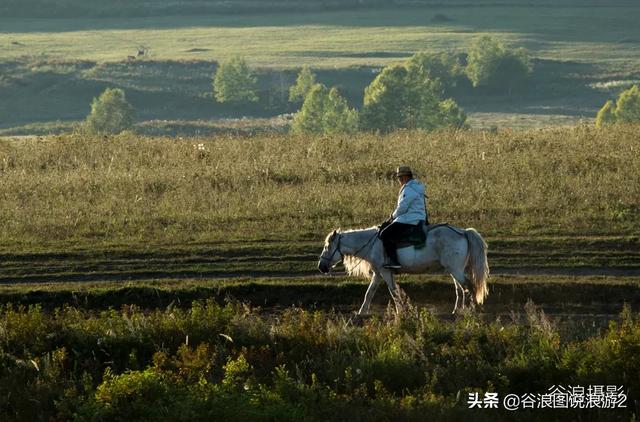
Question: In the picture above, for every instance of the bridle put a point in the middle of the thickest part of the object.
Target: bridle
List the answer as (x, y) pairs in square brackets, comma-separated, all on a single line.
[(337, 249)]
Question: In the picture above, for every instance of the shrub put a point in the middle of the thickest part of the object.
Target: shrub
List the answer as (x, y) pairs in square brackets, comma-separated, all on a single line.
[(626, 109), (493, 66), (296, 364), (325, 111), (404, 96), (234, 83), (305, 81), (110, 113)]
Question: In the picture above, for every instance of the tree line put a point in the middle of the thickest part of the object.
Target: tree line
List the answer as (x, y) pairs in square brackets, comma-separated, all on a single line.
[(415, 94)]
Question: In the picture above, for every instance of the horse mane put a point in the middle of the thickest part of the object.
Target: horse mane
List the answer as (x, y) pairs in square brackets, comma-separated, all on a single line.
[(356, 266)]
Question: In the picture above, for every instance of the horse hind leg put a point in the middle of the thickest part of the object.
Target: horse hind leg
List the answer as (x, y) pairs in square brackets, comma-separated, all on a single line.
[(460, 281), (399, 299), (455, 286)]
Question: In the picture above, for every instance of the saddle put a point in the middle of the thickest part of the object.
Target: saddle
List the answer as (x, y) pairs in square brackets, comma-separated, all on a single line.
[(418, 236)]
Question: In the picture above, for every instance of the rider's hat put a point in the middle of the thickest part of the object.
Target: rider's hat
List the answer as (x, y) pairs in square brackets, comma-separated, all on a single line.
[(404, 171)]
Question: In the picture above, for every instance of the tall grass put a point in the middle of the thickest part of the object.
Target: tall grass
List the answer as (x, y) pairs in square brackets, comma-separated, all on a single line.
[(128, 188)]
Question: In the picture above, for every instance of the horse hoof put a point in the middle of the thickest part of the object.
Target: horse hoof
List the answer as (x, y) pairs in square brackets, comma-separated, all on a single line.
[(360, 319)]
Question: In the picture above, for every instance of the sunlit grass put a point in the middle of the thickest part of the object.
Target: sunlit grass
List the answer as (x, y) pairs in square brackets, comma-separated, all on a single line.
[(556, 181), (603, 35)]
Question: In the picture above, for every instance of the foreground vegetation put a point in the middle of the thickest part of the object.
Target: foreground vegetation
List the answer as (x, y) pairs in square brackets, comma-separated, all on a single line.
[(232, 363), (130, 189)]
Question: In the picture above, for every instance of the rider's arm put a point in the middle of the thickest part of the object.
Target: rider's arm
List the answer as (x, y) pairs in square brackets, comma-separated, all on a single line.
[(406, 197)]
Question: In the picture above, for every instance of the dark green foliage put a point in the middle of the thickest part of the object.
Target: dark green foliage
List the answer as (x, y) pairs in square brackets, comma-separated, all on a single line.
[(494, 67), (110, 113), (444, 67), (234, 82), (408, 96), (230, 363)]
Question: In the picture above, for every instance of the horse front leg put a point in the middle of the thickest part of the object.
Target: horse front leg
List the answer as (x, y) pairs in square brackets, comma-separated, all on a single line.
[(371, 291)]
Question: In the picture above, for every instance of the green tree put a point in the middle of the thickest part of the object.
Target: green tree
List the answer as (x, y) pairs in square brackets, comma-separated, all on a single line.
[(305, 80), (491, 65), (450, 114), (445, 67), (606, 115), (403, 96), (110, 113), (626, 109), (325, 111), (234, 83), (338, 117), (628, 106)]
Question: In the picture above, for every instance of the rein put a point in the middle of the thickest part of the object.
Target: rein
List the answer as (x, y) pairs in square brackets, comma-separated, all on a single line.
[(337, 249)]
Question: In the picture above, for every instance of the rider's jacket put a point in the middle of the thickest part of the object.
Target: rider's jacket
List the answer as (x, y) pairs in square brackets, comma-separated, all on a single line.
[(411, 204)]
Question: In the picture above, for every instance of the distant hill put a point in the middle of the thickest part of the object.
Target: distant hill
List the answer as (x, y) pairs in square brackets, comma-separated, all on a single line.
[(139, 8)]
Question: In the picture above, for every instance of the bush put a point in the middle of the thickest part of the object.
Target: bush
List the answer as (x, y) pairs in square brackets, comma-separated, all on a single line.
[(626, 109), (325, 111), (110, 113), (492, 66), (305, 81), (294, 365), (234, 83), (405, 96)]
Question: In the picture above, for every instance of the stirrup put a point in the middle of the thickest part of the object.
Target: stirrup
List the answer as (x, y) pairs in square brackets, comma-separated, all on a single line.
[(391, 265)]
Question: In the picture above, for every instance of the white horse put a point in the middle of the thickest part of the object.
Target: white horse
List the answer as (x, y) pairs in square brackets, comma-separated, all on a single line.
[(462, 253)]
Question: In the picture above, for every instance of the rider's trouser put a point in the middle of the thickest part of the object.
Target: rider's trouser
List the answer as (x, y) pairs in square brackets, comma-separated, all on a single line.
[(392, 234)]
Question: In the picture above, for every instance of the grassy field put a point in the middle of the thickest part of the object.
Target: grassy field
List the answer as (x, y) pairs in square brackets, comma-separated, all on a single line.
[(606, 36), (86, 191), (119, 254), (80, 211), (50, 69), (174, 277)]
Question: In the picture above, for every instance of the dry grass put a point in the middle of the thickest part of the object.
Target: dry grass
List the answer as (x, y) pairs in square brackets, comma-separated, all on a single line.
[(126, 188)]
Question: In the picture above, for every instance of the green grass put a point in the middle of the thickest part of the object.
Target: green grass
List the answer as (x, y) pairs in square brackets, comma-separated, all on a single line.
[(606, 36), (558, 295), (221, 260)]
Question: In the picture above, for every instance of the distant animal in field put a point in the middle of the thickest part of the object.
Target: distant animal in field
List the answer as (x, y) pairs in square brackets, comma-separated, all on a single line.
[(142, 50)]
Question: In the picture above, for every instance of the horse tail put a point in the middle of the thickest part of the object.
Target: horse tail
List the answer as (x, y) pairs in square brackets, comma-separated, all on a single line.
[(477, 264)]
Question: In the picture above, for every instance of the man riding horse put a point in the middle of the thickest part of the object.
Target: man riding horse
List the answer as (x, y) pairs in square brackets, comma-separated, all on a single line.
[(372, 252), (409, 213)]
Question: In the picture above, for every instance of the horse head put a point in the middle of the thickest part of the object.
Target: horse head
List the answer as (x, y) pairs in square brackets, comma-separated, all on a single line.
[(331, 253)]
